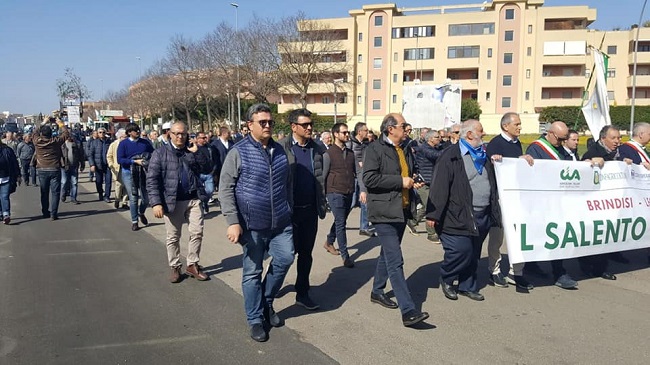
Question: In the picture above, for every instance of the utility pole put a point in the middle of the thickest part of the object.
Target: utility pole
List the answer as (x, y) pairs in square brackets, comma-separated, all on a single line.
[(636, 52), (236, 6)]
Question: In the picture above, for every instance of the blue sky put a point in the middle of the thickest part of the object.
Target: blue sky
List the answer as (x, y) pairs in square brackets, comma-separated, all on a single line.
[(100, 40)]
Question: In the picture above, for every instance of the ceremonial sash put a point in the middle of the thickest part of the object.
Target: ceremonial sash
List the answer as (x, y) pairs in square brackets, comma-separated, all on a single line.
[(639, 150), (548, 148)]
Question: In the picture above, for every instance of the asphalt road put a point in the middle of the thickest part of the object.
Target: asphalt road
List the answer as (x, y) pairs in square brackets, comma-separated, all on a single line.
[(87, 290)]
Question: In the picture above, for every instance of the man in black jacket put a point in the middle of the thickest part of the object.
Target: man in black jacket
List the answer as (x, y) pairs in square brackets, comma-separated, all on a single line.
[(175, 193), (97, 151), (388, 172), (73, 161), (305, 157), (462, 207)]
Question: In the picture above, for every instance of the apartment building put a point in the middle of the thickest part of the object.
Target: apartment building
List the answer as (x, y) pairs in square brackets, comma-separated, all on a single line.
[(509, 55)]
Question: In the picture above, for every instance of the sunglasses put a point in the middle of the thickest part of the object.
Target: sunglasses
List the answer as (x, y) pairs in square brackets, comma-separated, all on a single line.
[(456, 132), (305, 125), (266, 123), (345, 133)]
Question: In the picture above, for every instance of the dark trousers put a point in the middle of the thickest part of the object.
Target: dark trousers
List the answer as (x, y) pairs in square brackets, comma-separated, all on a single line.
[(305, 226), (390, 265), (28, 171), (594, 265), (340, 204), (462, 254), (103, 182), (50, 182)]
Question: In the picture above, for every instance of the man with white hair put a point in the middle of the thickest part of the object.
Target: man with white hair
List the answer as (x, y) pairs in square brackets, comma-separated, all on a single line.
[(634, 149), (464, 180), (111, 157)]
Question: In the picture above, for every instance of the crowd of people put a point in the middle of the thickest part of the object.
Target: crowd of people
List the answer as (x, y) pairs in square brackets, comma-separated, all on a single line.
[(273, 189)]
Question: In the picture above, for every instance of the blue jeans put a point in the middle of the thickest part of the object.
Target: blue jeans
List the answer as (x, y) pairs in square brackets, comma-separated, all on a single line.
[(208, 184), (5, 205), (69, 180), (50, 182), (462, 254), (390, 265), (340, 205), (134, 196), (363, 217), (259, 293), (103, 183)]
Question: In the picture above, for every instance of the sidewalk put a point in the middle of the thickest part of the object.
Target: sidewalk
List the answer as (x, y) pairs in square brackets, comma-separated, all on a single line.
[(600, 323)]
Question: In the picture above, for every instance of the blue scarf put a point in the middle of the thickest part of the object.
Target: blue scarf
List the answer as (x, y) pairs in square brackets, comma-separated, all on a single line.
[(478, 155)]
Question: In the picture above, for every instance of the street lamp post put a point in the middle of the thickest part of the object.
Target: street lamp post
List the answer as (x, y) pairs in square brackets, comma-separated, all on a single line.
[(236, 6), (636, 52), (336, 81)]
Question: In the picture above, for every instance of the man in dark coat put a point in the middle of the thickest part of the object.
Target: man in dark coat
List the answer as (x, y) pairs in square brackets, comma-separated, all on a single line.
[(97, 151)]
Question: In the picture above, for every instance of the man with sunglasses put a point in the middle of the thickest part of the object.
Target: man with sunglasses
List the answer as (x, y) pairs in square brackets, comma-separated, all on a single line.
[(256, 193), (97, 152), (454, 134), (340, 172), (212, 156), (549, 147), (175, 194), (305, 158)]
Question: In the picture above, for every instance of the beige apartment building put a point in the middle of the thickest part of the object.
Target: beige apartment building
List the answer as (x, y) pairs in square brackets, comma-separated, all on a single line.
[(509, 55)]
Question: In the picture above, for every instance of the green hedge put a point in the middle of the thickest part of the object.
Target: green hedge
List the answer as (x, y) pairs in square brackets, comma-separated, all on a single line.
[(573, 117)]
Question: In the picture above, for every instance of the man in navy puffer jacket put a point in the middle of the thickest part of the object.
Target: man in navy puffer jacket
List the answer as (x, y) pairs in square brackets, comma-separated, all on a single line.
[(175, 194)]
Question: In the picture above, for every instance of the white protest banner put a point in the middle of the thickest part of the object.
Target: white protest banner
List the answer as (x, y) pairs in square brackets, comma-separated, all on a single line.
[(564, 209)]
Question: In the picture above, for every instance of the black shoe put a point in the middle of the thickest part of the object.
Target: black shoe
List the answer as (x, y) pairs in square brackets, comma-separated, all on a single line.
[(206, 208), (258, 334), (433, 238), (473, 296), (414, 317), (608, 276), (565, 282), (54, 217), (75, 201), (273, 318), (412, 228), (499, 280), (618, 257), (367, 232), (46, 215), (107, 200), (134, 227), (534, 269), (348, 262), (383, 300), (144, 220), (63, 198), (448, 290), (116, 204), (523, 284), (306, 302)]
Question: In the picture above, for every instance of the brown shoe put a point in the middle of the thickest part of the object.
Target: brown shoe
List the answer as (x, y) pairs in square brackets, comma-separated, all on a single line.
[(331, 249), (175, 277), (195, 271)]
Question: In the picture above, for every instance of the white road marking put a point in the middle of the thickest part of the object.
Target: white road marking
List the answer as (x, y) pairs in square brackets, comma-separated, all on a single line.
[(83, 253), (159, 341), (87, 240)]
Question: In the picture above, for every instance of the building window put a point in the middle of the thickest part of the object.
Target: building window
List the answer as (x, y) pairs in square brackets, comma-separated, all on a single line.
[(489, 52), (527, 73), (376, 84), (360, 37), (377, 63), (507, 80), (489, 74), (326, 99), (611, 50), (360, 58), (394, 98), (509, 35), (379, 21), (395, 57), (487, 96), (587, 73), (529, 51), (527, 95), (394, 77), (507, 58), (419, 53), (463, 52), (610, 95), (377, 42), (546, 94), (359, 99), (510, 14), (376, 104), (611, 73), (567, 94), (505, 102), (471, 29), (411, 32), (530, 29), (359, 79)]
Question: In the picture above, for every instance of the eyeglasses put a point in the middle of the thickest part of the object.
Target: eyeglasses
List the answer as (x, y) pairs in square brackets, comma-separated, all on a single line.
[(100, 132), (179, 134), (344, 132), (266, 123), (305, 125), (560, 139)]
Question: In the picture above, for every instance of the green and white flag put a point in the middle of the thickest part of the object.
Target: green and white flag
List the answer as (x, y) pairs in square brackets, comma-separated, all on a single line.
[(596, 110)]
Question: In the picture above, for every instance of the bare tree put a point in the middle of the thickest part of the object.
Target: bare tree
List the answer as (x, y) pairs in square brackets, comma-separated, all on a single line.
[(260, 59), (310, 52), (181, 62), (71, 86)]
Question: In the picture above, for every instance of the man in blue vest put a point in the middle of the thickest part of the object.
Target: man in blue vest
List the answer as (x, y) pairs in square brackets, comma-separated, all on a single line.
[(255, 191)]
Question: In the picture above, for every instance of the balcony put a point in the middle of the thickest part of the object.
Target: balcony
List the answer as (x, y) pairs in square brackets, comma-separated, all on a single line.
[(641, 80), (643, 57), (565, 81), (578, 60)]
